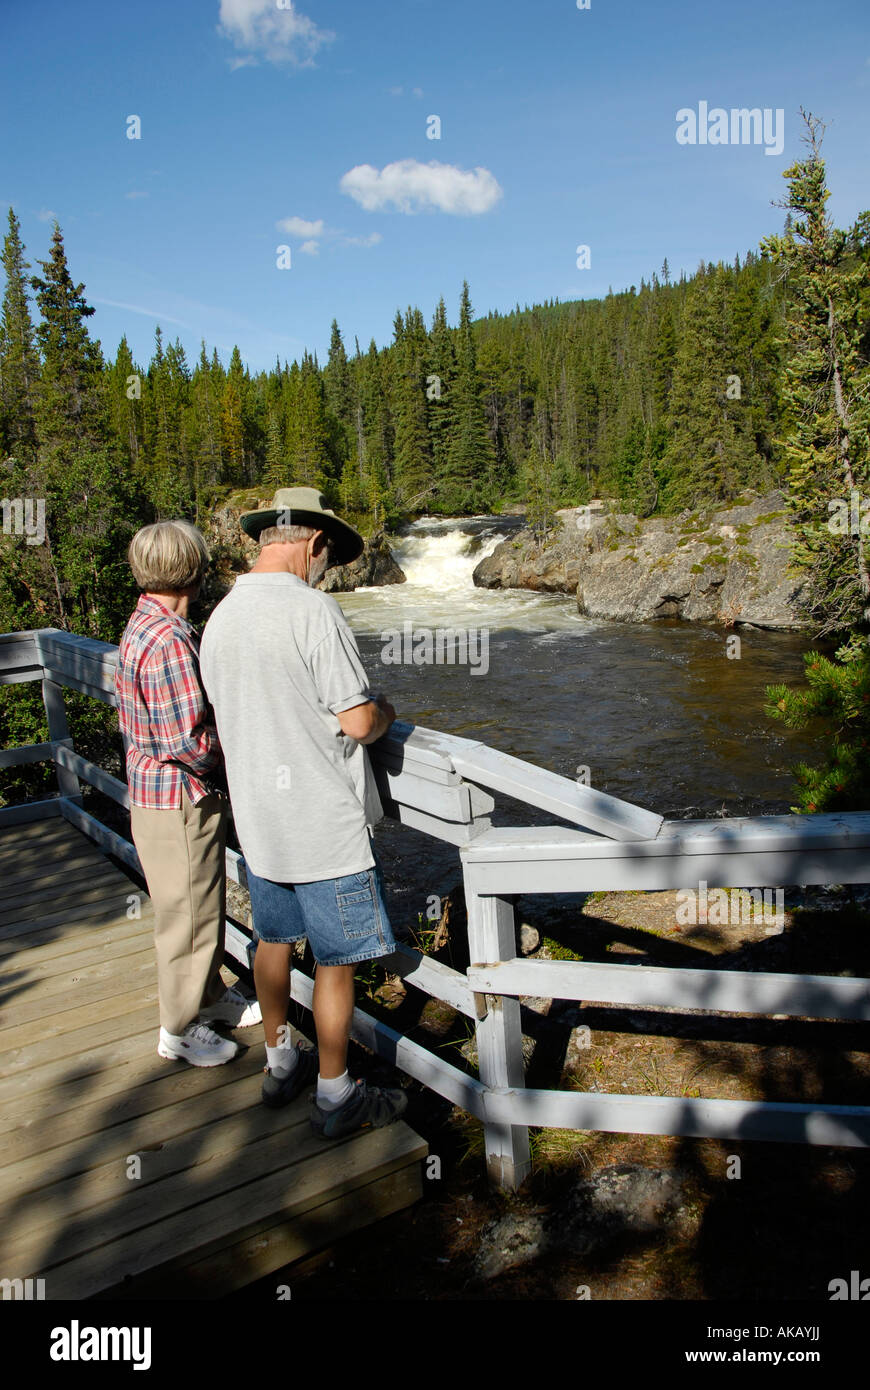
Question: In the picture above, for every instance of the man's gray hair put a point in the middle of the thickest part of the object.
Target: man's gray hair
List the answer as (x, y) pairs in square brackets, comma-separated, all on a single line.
[(279, 535)]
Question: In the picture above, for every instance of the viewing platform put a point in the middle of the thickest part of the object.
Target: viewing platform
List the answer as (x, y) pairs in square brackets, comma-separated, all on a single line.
[(123, 1174)]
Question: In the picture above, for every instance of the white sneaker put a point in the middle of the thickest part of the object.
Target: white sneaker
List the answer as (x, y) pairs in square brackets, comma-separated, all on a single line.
[(235, 1008), (197, 1045)]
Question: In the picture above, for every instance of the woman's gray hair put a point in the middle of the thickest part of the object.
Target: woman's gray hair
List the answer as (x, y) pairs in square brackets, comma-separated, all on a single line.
[(168, 556)]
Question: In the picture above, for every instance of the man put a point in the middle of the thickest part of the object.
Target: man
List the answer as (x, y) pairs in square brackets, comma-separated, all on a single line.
[(293, 709), (177, 818)]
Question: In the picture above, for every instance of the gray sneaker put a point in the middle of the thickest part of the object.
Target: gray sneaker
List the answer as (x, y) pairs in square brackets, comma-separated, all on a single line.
[(280, 1090), (367, 1108)]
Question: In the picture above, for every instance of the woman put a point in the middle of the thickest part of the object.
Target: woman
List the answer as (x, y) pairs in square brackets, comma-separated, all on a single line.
[(177, 818)]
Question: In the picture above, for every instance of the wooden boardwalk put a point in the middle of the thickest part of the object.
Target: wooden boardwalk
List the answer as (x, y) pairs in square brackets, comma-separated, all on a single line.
[(229, 1190)]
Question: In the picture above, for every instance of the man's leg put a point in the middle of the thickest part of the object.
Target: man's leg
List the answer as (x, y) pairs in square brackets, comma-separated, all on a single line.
[(272, 961), (333, 1010)]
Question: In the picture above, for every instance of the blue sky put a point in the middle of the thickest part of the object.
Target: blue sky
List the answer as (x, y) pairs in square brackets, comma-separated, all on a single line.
[(306, 126)]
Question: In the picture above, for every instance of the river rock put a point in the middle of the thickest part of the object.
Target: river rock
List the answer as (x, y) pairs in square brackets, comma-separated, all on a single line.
[(510, 1241), (729, 566), (528, 939), (620, 1199)]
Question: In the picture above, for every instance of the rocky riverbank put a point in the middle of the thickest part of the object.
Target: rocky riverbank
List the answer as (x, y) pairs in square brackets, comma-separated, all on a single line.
[(729, 566)]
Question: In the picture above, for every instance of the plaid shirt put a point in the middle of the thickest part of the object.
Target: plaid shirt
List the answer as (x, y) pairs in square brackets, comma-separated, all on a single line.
[(163, 712)]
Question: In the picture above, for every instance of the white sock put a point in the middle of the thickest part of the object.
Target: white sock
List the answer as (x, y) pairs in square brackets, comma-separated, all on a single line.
[(281, 1060), (333, 1091)]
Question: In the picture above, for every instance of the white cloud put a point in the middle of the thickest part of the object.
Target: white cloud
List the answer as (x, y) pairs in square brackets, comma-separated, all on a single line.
[(409, 186), (371, 240), (418, 91), (136, 194), (280, 35), (297, 226), (312, 233), (46, 215), (396, 91)]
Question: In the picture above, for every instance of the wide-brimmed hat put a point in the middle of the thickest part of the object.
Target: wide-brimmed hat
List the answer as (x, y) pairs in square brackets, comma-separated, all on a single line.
[(305, 506)]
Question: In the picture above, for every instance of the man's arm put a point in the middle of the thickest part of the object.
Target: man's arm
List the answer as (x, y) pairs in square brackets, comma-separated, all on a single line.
[(367, 722)]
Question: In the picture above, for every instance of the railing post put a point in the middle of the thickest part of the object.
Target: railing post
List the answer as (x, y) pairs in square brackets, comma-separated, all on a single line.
[(52, 698), (491, 937)]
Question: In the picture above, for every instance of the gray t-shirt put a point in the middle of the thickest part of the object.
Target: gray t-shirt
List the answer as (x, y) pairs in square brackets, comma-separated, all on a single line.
[(279, 662)]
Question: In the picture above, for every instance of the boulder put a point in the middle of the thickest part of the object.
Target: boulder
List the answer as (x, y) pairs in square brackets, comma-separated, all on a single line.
[(728, 567), (375, 566)]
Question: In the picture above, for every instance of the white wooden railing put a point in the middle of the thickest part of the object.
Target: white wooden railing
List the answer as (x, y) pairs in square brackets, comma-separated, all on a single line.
[(441, 785)]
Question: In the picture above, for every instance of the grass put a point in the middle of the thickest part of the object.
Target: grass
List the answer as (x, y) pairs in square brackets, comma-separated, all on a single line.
[(558, 951)]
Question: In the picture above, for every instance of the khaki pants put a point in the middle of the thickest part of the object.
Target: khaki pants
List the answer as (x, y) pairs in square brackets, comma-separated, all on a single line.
[(182, 857)]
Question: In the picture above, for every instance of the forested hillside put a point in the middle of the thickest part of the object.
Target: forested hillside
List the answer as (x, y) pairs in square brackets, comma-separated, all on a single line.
[(658, 397)]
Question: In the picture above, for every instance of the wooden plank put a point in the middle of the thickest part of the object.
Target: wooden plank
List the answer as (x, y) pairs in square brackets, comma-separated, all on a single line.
[(95, 776), (103, 912), (80, 661), (96, 692), (105, 1005), (433, 977), (450, 803), (169, 1140), (84, 936), (31, 753), (846, 1126), (728, 991), (68, 990), (492, 935), (85, 1051), (100, 834), (56, 923), (37, 833), (273, 1247), (570, 800), (31, 901), (327, 1174), (147, 1083), (557, 860), (415, 746), (454, 833), (29, 811), (35, 977), (56, 871), (19, 658), (58, 732)]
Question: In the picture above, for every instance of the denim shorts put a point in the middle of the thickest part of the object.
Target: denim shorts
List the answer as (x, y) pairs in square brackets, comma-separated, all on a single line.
[(345, 919)]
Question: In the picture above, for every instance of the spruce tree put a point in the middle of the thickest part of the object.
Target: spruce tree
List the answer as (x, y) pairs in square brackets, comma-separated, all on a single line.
[(19, 360), (826, 397), (470, 457), (826, 390)]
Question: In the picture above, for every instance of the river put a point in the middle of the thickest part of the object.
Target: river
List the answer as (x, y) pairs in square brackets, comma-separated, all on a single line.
[(658, 712)]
